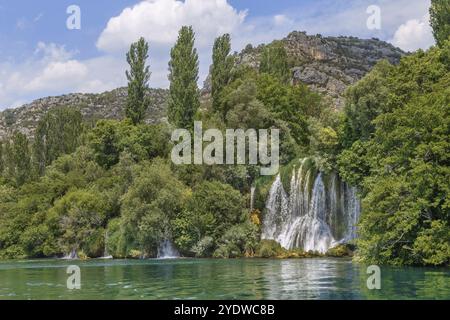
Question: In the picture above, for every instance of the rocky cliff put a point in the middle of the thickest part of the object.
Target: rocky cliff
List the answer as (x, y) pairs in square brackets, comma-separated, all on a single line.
[(107, 105), (328, 64)]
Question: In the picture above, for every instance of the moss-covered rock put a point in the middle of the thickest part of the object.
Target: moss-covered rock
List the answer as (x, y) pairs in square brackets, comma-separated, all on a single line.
[(270, 249), (341, 250)]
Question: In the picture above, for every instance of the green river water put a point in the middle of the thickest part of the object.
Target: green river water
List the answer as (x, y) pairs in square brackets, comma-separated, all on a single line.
[(320, 278)]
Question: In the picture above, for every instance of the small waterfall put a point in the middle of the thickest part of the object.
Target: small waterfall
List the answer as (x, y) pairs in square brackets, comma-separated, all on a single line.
[(72, 255), (106, 254), (318, 213), (252, 198), (167, 250)]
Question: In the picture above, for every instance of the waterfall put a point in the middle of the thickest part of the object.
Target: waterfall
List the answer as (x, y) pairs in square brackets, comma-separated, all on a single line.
[(319, 212), (71, 256), (167, 250), (252, 198), (106, 254)]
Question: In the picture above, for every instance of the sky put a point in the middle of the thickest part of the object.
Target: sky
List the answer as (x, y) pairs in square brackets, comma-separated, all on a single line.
[(41, 56)]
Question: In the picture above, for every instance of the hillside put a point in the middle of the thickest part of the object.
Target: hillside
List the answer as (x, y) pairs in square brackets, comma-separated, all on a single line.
[(326, 64), (107, 105)]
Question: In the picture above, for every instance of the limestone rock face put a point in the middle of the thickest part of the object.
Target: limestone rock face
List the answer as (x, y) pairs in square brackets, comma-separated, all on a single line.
[(327, 64), (107, 105)]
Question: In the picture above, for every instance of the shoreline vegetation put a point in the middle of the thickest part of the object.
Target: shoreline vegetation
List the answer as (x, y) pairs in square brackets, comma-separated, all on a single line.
[(267, 249), (111, 186)]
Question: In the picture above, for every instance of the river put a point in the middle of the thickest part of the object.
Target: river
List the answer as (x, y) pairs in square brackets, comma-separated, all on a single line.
[(319, 278)]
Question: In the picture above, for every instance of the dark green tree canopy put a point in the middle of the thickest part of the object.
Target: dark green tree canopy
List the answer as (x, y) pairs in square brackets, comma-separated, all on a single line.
[(58, 132), (274, 61)]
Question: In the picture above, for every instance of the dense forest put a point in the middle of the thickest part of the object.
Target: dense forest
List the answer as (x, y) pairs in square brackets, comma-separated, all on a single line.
[(81, 187)]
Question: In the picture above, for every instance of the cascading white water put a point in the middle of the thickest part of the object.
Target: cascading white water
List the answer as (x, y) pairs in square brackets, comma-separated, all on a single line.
[(314, 215), (252, 198), (106, 254), (167, 250), (71, 256)]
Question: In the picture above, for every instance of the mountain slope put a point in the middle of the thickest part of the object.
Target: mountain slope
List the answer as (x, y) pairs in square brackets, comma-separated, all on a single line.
[(326, 64), (107, 105)]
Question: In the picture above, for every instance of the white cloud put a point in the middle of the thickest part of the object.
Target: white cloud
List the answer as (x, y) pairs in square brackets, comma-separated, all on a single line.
[(281, 19), (414, 34), (159, 21), (58, 75)]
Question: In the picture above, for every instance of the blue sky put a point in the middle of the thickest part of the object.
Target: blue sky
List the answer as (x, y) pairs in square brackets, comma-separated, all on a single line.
[(39, 56)]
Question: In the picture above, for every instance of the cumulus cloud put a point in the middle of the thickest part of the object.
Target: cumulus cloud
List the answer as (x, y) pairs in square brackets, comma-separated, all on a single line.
[(414, 34), (159, 21), (281, 19)]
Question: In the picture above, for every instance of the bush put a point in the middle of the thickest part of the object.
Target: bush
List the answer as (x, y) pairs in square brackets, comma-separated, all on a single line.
[(270, 249), (341, 250), (240, 240)]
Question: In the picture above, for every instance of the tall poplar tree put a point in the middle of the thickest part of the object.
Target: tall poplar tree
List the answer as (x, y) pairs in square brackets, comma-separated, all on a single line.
[(18, 160), (138, 77), (274, 61), (440, 20), (221, 68), (183, 75), (58, 132)]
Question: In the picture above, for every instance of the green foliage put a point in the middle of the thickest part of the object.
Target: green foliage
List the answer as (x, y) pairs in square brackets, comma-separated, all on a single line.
[(440, 20), (58, 132), (274, 61), (269, 249), (110, 138), (364, 102), (238, 241), (18, 159), (341, 250), (352, 163), (213, 208), (183, 76), (138, 77), (403, 167), (78, 217), (432, 245), (152, 202), (222, 64)]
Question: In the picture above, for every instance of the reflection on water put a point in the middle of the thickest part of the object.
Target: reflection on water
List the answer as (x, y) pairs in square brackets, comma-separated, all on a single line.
[(218, 279)]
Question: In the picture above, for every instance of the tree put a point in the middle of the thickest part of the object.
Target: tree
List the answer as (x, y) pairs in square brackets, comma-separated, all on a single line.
[(2, 161), (440, 20), (274, 61), (152, 202), (402, 167), (110, 138), (183, 76), (79, 215), (138, 77), (18, 159), (213, 208), (364, 102), (58, 132), (221, 68)]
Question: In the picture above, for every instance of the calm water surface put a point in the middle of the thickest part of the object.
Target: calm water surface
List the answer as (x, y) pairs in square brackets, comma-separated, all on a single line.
[(218, 279)]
